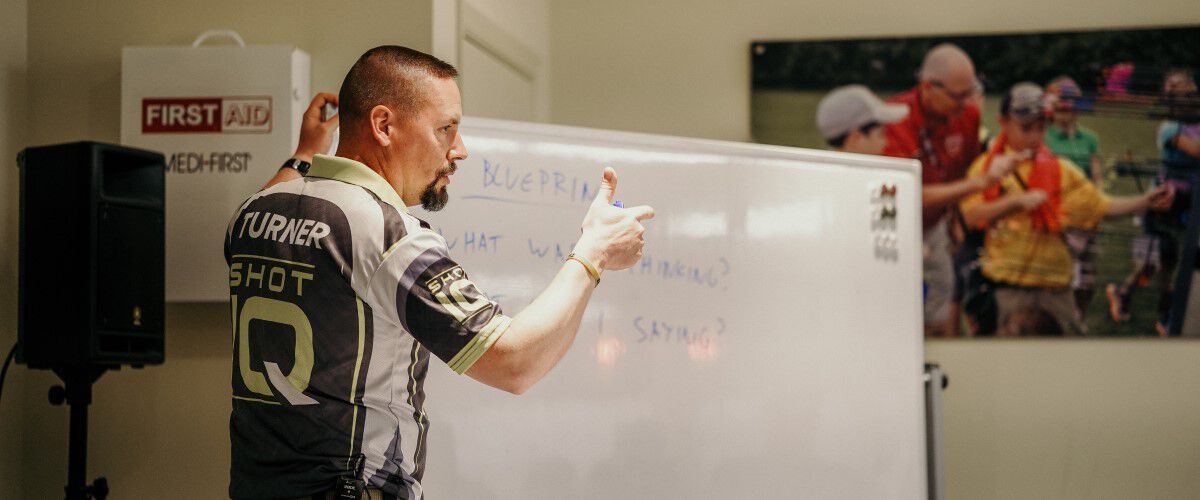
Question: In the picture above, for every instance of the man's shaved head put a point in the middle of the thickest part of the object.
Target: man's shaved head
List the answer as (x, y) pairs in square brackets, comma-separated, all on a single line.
[(946, 62), (387, 75), (947, 81)]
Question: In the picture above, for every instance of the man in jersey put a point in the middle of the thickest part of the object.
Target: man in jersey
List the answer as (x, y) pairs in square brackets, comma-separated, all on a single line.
[(339, 295), (1025, 215)]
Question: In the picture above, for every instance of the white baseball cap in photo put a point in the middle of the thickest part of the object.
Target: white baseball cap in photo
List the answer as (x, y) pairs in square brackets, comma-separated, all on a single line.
[(853, 106)]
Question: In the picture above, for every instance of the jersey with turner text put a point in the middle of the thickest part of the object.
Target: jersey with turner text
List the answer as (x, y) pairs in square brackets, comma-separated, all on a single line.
[(338, 296)]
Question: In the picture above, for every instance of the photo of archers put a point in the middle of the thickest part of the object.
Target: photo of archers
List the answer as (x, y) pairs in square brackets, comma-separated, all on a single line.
[(1119, 108)]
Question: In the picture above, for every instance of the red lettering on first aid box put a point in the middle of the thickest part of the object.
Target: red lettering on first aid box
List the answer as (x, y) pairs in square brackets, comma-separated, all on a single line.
[(212, 115)]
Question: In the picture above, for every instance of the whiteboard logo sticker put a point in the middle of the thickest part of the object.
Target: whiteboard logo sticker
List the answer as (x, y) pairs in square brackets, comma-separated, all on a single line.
[(207, 115)]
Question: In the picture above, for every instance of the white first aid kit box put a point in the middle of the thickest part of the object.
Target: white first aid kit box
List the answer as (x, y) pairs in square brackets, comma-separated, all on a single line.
[(225, 118)]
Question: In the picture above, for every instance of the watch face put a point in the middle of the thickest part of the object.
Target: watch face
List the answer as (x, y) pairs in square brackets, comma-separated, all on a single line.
[(300, 165)]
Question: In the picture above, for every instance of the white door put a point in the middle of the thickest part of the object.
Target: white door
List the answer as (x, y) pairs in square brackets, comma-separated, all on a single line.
[(500, 49)]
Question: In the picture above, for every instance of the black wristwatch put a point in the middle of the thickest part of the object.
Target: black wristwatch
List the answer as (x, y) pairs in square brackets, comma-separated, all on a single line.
[(300, 165)]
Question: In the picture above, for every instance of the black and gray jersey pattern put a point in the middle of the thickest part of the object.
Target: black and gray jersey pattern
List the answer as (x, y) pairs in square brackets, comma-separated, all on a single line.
[(338, 296)]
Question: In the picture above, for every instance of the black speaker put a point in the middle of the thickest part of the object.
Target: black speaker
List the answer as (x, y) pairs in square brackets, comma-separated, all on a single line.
[(91, 256)]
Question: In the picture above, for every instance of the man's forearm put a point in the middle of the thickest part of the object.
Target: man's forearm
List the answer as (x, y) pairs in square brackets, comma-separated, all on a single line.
[(316, 136), (284, 174), (540, 335)]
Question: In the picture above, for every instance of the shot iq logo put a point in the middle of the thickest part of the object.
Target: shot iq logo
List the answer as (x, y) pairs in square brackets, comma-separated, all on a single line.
[(213, 115)]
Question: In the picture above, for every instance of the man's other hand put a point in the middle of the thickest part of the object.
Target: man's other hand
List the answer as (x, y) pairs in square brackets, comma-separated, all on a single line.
[(316, 135), (612, 236)]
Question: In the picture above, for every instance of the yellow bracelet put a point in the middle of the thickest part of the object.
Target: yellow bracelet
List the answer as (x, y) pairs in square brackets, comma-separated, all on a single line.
[(591, 270)]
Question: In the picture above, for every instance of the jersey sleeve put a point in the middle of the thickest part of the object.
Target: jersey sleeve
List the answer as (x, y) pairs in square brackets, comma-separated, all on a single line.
[(433, 299)]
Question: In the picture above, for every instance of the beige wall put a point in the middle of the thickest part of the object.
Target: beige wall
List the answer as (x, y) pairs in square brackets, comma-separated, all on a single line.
[(163, 431), (1071, 419), (1024, 419), (13, 112)]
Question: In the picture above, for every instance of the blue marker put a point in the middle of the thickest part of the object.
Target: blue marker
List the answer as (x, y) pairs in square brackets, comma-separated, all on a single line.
[(618, 204)]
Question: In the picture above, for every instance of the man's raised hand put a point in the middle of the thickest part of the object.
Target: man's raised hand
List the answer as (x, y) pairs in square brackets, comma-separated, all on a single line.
[(316, 135), (612, 236)]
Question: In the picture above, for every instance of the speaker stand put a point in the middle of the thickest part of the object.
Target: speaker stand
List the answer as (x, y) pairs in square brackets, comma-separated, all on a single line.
[(77, 392)]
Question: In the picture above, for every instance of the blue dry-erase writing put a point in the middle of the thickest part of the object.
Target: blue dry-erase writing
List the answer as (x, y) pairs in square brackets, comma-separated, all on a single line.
[(618, 204)]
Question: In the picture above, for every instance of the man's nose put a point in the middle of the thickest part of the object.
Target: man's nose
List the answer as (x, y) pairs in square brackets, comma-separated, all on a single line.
[(459, 151)]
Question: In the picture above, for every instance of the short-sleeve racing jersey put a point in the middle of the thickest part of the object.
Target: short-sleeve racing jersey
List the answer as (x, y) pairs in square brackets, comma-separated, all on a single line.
[(338, 296)]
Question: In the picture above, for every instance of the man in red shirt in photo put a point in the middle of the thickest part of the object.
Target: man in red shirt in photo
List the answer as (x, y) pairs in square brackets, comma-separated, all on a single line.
[(942, 131)]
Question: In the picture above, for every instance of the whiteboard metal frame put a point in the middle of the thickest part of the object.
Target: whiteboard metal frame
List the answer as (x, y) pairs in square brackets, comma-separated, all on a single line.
[(851, 160)]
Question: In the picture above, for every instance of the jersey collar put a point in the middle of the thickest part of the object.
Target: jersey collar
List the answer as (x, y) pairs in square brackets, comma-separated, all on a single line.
[(353, 172)]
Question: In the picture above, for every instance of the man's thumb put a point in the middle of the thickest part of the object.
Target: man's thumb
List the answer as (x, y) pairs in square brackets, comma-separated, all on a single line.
[(608, 187)]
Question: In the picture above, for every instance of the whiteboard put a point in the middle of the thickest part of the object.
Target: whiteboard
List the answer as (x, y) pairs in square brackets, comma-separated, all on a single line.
[(769, 344)]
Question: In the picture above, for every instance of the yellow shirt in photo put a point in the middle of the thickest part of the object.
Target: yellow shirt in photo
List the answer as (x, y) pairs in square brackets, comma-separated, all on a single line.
[(1014, 253)]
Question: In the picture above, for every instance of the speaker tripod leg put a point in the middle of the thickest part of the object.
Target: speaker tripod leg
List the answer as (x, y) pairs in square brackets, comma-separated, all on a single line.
[(77, 456), (78, 384)]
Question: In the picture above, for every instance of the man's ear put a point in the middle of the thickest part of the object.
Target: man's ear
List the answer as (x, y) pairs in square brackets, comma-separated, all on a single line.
[(381, 120)]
